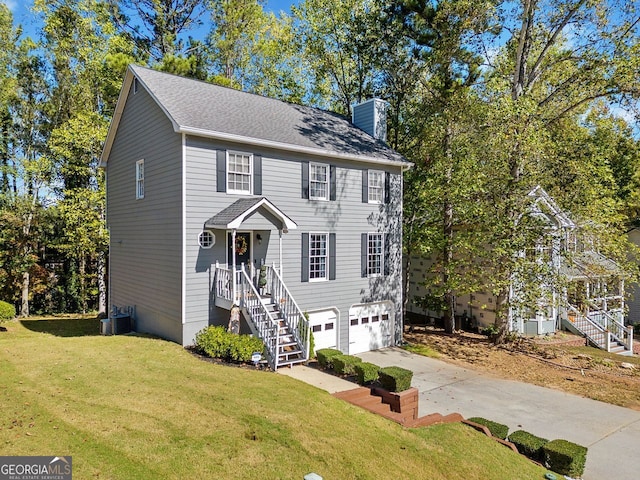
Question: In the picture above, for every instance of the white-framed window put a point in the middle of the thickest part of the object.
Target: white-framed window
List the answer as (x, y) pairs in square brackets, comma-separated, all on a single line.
[(375, 255), (206, 239), (239, 172), (376, 186), (140, 179), (135, 86), (318, 256), (318, 181)]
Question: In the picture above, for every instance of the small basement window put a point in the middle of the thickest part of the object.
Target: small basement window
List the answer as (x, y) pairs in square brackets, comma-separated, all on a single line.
[(206, 239)]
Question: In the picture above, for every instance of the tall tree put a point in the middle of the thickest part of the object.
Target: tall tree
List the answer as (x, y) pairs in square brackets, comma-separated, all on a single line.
[(341, 44), (87, 60), (450, 118), (562, 56), (158, 27)]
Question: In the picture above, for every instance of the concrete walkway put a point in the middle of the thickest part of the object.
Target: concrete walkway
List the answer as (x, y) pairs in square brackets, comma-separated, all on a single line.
[(611, 433)]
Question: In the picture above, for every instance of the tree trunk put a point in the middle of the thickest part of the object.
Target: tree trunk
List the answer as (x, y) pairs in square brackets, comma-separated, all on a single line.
[(24, 306), (447, 230), (502, 315)]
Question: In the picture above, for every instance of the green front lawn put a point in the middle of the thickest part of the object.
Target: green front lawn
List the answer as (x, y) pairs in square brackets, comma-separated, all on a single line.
[(132, 407)]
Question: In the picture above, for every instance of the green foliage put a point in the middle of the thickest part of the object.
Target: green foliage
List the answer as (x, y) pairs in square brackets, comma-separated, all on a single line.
[(395, 379), (566, 458), (344, 364), (325, 356), (489, 330), (497, 429), (7, 311), (216, 342), (528, 444), (366, 372)]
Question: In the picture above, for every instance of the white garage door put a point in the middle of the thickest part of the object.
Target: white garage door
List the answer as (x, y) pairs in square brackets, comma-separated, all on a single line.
[(370, 327), (324, 326)]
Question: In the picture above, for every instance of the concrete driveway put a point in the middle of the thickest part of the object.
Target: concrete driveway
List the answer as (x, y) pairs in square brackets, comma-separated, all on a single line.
[(611, 433)]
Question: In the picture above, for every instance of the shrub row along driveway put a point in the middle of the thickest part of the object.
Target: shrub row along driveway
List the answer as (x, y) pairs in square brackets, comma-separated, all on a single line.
[(611, 433)]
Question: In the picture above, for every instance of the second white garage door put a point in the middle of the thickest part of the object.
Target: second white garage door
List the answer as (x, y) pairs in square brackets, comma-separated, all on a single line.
[(370, 327), (324, 326)]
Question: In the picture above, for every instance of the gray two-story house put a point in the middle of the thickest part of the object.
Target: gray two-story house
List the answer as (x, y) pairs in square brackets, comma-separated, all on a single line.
[(218, 197)]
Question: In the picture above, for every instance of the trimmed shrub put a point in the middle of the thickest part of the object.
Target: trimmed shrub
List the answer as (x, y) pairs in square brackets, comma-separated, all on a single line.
[(7, 311), (528, 444), (395, 379), (366, 372), (566, 458), (497, 429), (344, 364), (325, 355), (242, 347), (216, 342)]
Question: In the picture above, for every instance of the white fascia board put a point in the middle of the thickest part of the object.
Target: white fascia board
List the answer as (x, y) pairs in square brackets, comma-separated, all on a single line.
[(237, 222), (292, 148)]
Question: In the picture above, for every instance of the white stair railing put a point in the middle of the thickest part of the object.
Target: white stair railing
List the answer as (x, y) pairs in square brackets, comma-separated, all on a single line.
[(266, 326), (618, 331), (289, 309)]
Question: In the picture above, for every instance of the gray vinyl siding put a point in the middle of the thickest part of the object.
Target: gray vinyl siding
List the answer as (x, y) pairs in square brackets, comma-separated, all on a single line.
[(146, 234), (347, 217)]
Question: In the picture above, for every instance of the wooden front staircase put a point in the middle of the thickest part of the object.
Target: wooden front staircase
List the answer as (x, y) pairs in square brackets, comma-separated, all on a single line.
[(273, 315)]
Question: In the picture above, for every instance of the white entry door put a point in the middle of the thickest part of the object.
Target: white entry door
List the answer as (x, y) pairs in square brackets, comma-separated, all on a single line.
[(324, 326), (370, 327)]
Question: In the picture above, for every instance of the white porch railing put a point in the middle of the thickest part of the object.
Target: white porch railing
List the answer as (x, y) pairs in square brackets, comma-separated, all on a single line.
[(289, 309), (601, 328), (261, 319), (267, 328), (609, 322)]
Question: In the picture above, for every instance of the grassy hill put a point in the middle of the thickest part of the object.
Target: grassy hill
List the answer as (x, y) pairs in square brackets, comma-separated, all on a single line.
[(132, 407)]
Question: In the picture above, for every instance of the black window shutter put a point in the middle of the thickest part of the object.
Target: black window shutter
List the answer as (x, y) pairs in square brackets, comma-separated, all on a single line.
[(332, 179), (387, 187), (305, 180), (221, 171), (332, 256), (257, 174), (387, 252), (365, 186), (305, 257), (364, 255)]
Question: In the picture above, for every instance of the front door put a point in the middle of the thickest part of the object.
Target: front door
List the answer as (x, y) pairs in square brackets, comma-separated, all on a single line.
[(242, 249)]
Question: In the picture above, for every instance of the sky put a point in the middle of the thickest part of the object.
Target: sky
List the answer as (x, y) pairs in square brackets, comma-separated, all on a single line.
[(22, 14)]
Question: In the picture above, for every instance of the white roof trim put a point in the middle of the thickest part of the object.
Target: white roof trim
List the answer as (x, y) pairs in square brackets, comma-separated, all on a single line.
[(287, 146), (237, 222)]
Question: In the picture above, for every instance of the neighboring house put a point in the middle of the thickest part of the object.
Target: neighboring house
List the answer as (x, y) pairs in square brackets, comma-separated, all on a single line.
[(204, 181), (591, 303), (633, 290)]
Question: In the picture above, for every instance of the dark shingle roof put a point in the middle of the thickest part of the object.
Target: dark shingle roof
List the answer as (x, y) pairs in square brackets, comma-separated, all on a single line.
[(233, 211), (241, 208), (198, 107)]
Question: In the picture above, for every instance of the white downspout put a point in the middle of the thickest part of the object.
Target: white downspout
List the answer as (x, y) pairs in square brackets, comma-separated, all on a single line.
[(280, 251)]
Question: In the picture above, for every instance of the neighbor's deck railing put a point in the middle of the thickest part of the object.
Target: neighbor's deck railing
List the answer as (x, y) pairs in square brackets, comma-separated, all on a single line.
[(608, 321), (603, 323)]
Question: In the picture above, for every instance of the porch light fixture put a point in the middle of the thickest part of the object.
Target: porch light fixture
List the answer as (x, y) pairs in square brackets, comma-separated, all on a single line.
[(259, 238)]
